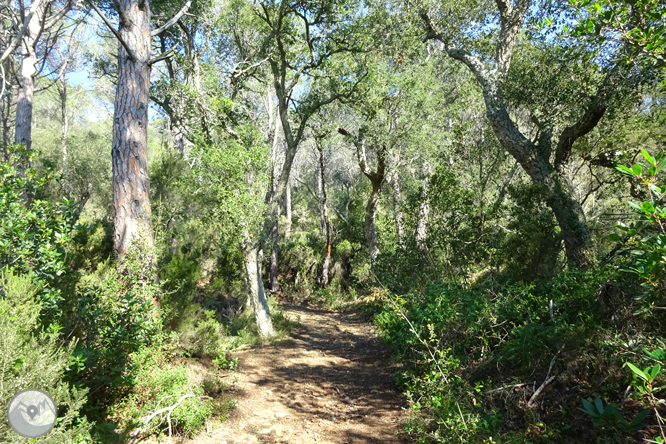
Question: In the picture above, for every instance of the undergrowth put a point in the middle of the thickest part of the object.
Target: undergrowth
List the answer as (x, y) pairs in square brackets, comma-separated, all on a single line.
[(502, 361)]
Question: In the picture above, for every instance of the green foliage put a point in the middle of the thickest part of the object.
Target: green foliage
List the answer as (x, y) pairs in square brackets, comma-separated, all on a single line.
[(33, 232), (639, 23), (610, 416), (112, 320), (179, 276), (532, 244), (459, 346), (159, 384), (201, 335), (233, 175), (33, 358), (646, 237)]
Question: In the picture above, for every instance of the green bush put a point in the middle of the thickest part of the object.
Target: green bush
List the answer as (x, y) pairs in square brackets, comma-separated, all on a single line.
[(33, 232), (112, 315), (36, 359), (157, 385), (457, 343), (201, 335)]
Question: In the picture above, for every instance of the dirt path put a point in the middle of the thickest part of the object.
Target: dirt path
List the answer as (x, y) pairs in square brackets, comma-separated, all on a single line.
[(329, 383)]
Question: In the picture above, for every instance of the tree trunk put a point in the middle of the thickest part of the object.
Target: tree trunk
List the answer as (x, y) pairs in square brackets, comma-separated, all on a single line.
[(370, 221), (6, 122), (571, 219), (320, 194), (64, 122), (132, 214), (256, 293), (274, 283), (377, 179), (287, 205), (329, 231), (24, 103), (397, 200), (424, 210), (534, 158), (273, 198)]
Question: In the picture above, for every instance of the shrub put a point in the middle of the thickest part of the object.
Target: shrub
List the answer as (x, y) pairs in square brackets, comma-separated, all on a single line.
[(33, 231), (158, 385), (36, 359), (460, 345)]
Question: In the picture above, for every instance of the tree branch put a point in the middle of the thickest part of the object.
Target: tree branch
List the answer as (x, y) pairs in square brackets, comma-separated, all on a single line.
[(585, 124), (106, 21), (12, 46), (173, 20), (165, 55)]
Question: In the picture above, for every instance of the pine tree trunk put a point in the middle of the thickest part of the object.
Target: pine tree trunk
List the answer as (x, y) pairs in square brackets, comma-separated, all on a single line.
[(131, 186), (256, 292)]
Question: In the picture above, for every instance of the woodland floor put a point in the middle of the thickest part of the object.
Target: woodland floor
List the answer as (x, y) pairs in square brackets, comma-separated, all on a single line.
[(329, 382)]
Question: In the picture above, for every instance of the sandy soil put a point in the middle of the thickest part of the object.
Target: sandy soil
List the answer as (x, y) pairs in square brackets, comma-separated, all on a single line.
[(330, 382)]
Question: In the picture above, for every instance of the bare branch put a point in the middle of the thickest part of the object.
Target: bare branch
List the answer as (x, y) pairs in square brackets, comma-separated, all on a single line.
[(106, 21), (165, 55), (546, 381), (585, 124), (173, 20), (12, 46)]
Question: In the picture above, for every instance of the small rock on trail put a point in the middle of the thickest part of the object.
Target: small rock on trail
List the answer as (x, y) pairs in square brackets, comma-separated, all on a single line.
[(330, 382)]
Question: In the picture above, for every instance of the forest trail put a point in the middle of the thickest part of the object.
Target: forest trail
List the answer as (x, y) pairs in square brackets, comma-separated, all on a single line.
[(329, 382)]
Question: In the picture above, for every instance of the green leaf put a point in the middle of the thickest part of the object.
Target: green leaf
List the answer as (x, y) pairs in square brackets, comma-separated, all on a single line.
[(655, 371), (637, 170), (599, 404), (660, 165), (648, 157), (638, 372), (614, 237), (623, 169)]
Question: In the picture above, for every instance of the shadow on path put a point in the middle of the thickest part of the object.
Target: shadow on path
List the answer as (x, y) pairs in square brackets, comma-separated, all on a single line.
[(330, 382)]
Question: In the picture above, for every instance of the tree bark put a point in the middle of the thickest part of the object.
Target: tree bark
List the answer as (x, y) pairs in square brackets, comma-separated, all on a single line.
[(397, 211), (424, 210), (64, 128), (370, 221), (287, 205), (24, 103), (274, 283), (131, 186), (376, 179), (6, 122), (256, 292), (320, 194), (329, 231), (36, 27)]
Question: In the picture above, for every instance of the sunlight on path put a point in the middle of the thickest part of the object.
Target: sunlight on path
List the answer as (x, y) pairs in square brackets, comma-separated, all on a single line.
[(329, 383)]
